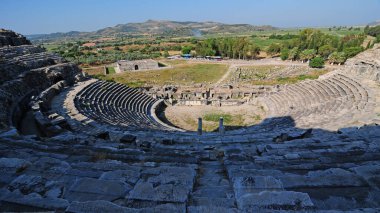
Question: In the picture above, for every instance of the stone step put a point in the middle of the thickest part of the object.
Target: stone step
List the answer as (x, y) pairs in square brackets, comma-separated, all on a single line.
[(213, 192), (213, 181), (207, 209), (215, 202)]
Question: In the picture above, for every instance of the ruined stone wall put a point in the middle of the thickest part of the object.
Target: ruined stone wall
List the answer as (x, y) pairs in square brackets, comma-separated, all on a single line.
[(25, 70), (366, 64), (218, 96), (122, 66), (10, 38)]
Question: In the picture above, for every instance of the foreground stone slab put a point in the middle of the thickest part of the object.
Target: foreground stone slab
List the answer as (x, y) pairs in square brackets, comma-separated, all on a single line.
[(170, 184), (255, 184), (129, 176), (97, 206), (13, 163), (89, 189), (33, 199), (334, 177), (286, 200), (106, 206)]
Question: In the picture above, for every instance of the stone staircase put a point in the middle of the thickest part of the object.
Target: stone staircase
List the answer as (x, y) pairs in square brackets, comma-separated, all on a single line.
[(212, 189)]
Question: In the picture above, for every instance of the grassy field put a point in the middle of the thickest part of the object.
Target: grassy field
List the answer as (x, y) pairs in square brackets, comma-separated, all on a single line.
[(182, 73)]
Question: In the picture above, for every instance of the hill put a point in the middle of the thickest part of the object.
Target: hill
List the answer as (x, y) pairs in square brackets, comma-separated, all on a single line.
[(375, 23), (158, 28)]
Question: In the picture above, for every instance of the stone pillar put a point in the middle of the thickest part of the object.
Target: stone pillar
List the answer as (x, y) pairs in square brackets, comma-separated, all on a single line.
[(105, 70), (221, 127), (199, 126)]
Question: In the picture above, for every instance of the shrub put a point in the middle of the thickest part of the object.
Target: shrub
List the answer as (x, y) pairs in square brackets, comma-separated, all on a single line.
[(186, 49), (317, 62), (285, 54), (166, 54)]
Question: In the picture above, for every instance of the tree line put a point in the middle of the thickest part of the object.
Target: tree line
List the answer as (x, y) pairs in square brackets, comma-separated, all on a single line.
[(305, 46), (236, 48)]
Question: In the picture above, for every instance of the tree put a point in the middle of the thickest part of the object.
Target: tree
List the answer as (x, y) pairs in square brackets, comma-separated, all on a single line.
[(337, 58), (274, 49), (186, 49), (366, 29), (326, 50), (352, 51), (317, 62), (307, 55), (284, 54), (368, 45), (293, 54), (166, 54), (254, 50)]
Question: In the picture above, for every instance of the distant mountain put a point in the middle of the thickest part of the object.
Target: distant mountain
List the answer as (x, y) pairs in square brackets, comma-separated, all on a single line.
[(375, 23), (154, 27)]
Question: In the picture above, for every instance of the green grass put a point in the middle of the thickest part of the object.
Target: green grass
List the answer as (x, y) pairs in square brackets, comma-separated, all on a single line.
[(214, 117), (230, 121), (136, 84), (111, 70), (50, 46), (264, 42), (184, 74)]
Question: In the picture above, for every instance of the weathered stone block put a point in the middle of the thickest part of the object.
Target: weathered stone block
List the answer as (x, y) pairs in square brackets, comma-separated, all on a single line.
[(88, 189)]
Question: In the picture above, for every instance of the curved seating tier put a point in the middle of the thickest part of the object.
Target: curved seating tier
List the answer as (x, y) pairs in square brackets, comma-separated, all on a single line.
[(117, 104), (320, 103), (19, 59)]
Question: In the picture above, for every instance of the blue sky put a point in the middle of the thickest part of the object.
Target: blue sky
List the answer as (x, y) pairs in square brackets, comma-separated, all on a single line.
[(47, 16)]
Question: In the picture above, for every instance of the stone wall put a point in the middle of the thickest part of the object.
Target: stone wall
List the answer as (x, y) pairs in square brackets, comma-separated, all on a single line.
[(122, 66), (202, 95), (10, 38), (27, 70)]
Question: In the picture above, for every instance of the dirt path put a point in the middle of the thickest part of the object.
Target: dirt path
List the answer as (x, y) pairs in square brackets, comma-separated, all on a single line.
[(225, 76)]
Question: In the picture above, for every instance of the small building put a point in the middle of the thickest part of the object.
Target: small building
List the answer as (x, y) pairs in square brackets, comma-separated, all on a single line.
[(124, 65)]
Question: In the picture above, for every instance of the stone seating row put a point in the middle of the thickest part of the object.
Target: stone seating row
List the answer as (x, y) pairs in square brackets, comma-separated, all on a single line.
[(318, 100), (325, 172), (116, 104)]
